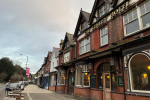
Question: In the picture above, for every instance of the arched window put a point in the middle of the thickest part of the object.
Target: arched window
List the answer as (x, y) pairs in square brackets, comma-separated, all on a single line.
[(139, 69)]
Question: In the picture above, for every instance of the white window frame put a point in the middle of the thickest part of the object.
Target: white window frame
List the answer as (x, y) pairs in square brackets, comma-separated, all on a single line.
[(101, 36), (76, 75), (67, 57), (82, 81), (84, 45), (102, 9), (59, 78), (139, 18), (131, 86)]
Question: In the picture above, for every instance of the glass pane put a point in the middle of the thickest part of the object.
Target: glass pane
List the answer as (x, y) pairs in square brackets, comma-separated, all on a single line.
[(147, 3), (126, 21), (106, 30), (100, 81), (79, 76), (130, 14), (107, 81), (106, 67), (142, 7), (69, 80), (114, 81), (86, 79), (132, 27), (87, 47), (62, 79), (134, 16), (146, 20), (130, 18), (82, 49), (105, 39), (135, 11), (142, 11), (147, 8), (140, 72)]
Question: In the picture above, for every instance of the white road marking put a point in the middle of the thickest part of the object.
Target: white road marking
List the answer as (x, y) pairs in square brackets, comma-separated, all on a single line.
[(29, 96)]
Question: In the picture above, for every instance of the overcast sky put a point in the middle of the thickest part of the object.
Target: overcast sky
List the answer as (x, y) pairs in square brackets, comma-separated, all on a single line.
[(34, 27)]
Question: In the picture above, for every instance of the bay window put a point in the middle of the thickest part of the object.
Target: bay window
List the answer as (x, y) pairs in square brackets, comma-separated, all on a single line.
[(137, 19), (104, 35), (62, 80), (85, 45), (82, 76)]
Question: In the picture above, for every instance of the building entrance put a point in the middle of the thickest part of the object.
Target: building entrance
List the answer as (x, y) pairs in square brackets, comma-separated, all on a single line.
[(71, 81)]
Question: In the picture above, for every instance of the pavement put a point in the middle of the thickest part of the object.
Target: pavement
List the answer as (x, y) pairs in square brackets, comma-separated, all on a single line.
[(2, 91), (32, 92)]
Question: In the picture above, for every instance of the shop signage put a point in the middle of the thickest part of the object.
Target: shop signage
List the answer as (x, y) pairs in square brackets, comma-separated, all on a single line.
[(120, 81), (104, 20), (93, 81)]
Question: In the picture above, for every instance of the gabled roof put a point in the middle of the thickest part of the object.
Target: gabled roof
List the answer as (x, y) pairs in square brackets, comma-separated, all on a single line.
[(49, 55), (70, 39), (83, 14)]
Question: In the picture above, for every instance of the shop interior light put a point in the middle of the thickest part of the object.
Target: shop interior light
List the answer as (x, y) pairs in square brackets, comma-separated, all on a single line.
[(148, 67), (101, 77), (144, 75), (85, 73), (107, 76)]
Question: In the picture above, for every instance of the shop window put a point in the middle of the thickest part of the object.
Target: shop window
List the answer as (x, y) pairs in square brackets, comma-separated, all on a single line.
[(107, 81), (82, 76), (59, 77), (62, 79), (104, 35), (79, 76), (137, 19), (86, 79), (85, 45), (139, 72), (114, 81)]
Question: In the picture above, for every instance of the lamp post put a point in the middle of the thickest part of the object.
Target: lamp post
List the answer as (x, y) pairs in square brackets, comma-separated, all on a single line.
[(27, 61)]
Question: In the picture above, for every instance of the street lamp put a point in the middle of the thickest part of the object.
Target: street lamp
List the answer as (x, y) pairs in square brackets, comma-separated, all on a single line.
[(27, 60)]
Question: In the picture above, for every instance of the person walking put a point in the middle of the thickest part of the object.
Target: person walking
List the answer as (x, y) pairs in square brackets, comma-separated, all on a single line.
[(7, 87)]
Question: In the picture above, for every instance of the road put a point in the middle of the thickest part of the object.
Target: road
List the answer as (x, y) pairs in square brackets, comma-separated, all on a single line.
[(32, 92), (2, 91)]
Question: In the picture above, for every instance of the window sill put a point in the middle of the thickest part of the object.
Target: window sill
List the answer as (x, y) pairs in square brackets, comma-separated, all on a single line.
[(138, 94), (116, 91), (140, 31), (103, 46), (97, 89), (80, 87), (84, 53)]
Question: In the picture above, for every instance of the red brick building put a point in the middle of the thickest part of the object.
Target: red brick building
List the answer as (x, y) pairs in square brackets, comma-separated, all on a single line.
[(109, 58)]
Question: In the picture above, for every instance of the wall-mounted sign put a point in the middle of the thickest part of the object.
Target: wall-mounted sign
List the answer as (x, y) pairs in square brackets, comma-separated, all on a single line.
[(93, 81), (120, 81), (104, 20)]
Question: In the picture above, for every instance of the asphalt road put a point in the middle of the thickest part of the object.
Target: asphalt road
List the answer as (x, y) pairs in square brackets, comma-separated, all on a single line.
[(2, 91)]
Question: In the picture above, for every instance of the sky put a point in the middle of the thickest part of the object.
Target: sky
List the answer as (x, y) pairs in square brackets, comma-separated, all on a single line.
[(34, 27)]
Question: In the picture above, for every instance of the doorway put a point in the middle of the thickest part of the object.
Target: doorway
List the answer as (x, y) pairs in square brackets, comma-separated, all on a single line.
[(71, 81), (107, 86)]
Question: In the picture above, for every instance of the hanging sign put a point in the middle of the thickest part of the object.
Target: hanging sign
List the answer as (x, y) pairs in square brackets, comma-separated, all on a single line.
[(93, 81), (120, 81), (27, 71)]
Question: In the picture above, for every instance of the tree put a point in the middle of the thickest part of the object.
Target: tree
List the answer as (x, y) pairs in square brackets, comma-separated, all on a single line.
[(6, 66)]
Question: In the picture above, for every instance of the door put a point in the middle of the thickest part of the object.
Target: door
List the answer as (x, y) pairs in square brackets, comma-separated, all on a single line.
[(71, 82), (107, 86)]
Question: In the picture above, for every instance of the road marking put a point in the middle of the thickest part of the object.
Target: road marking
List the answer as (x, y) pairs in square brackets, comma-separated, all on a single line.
[(29, 96)]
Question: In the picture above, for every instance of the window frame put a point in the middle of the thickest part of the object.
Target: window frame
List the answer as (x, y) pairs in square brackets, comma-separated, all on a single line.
[(139, 18), (102, 9), (84, 45), (60, 80), (129, 69), (67, 57), (103, 35), (82, 78)]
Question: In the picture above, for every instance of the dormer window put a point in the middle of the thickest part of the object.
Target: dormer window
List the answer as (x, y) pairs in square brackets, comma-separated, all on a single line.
[(67, 44), (83, 25), (102, 11)]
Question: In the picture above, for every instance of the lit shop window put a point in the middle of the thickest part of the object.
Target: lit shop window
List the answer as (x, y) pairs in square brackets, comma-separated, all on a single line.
[(82, 76), (137, 19), (104, 35), (139, 72), (62, 79)]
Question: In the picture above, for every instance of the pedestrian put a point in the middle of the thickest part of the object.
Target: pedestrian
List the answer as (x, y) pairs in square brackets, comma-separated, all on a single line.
[(42, 85), (7, 87)]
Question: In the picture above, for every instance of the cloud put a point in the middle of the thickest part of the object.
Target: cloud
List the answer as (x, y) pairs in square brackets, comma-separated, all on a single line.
[(34, 27)]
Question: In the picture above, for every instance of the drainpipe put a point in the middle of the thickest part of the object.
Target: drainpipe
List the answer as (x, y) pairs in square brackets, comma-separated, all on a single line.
[(123, 78)]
